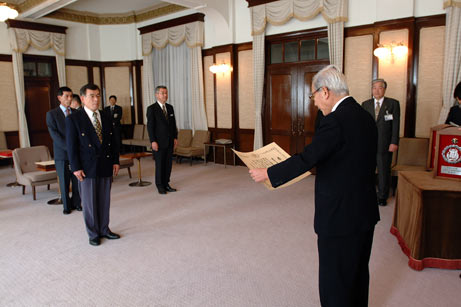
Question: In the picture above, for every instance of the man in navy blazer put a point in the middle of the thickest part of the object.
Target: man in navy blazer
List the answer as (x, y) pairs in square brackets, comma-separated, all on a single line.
[(163, 134), (344, 152), (55, 120), (94, 159), (386, 112)]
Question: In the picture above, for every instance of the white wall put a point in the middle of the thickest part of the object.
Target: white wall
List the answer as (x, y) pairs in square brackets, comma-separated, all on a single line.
[(123, 42)]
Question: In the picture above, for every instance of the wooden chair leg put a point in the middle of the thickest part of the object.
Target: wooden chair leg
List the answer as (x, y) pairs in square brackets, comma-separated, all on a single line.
[(23, 189), (48, 187), (33, 193), (129, 172), (191, 160)]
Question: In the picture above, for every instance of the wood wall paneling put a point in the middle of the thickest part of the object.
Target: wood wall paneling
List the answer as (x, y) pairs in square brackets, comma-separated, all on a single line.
[(224, 93), (76, 76), (117, 82), (8, 105), (430, 77)]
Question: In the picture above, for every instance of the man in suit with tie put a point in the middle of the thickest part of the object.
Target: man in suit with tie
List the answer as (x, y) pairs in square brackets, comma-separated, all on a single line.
[(344, 152), (386, 112), (55, 120), (94, 159), (163, 134)]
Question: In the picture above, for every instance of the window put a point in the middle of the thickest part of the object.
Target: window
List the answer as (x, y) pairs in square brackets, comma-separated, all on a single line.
[(37, 69), (301, 50)]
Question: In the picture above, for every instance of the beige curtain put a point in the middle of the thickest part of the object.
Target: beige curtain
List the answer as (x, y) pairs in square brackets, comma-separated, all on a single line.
[(192, 35), (20, 40), (278, 13), (452, 56)]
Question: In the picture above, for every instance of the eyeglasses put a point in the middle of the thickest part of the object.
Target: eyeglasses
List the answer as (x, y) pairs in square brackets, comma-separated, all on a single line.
[(311, 96)]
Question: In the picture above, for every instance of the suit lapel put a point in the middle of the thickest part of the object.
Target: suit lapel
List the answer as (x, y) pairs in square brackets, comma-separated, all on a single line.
[(86, 121)]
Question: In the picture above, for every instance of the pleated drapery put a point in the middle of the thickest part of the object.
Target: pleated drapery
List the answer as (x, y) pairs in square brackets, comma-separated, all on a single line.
[(192, 35), (280, 12), (452, 56), (20, 41)]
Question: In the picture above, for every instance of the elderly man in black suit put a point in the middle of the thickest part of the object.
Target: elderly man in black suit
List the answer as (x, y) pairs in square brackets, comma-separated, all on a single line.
[(344, 152), (386, 112), (163, 134), (55, 120), (94, 159)]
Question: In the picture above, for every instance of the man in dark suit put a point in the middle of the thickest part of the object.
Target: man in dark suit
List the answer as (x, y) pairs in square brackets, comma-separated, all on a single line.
[(116, 116), (344, 152), (94, 159), (163, 134), (386, 112), (55, 120)]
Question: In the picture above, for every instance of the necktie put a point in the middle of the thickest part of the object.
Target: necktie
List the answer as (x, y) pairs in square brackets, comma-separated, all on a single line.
[(165, 113), (112, 111), (377, 108), (97, 126), (67, 111)]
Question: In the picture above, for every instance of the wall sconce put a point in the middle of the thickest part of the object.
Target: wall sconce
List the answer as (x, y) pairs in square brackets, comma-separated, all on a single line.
[(7, 12), (392, 50), (224, 68)]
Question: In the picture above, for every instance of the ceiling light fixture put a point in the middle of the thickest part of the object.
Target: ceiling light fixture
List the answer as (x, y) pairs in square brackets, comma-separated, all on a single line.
[(7, 12)]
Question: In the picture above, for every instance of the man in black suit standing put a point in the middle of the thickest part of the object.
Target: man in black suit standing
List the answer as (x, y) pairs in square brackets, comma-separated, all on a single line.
[(55, 120), (386, 112), (94, 159), (344, 152), (163, 134), (115, 113)]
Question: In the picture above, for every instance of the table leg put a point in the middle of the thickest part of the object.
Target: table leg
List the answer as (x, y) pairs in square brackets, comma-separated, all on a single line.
[(214, 154), (139, 183), (233, 153), (224, 156), (204, 151)]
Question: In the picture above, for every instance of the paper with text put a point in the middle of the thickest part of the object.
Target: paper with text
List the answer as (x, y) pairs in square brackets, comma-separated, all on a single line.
[(266, 157)]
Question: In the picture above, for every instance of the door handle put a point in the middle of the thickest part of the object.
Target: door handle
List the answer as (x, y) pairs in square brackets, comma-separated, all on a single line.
[(300, 127)]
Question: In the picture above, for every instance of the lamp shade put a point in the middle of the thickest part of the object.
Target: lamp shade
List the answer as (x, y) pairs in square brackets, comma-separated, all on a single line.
[(382, 52)]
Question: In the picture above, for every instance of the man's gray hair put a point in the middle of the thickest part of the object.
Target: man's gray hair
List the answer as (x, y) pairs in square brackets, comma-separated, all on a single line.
[(333, 79), (379, 80)]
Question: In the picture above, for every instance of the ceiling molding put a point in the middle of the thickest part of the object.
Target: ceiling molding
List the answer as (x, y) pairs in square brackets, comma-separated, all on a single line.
[(21, 24), (113, 19), (172, 23)]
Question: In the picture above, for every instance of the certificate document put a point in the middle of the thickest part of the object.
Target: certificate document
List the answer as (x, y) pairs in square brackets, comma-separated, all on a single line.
[(266, 157)]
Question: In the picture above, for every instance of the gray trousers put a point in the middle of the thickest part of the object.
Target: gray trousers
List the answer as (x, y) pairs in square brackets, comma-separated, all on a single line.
[(95, 195), (383, 163)]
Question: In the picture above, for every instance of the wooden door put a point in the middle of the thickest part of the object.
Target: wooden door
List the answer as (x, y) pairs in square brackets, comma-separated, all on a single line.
[(289, 113), (38, 101)]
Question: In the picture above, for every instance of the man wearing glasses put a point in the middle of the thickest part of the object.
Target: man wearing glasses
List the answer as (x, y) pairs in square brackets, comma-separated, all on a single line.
[(344, 152)]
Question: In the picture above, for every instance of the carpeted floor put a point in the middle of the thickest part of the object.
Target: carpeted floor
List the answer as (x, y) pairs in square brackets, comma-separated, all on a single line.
[(221, 240)]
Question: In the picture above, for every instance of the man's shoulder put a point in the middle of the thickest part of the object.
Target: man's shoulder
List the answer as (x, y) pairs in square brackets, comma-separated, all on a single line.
[(391, 100), (371, 100)]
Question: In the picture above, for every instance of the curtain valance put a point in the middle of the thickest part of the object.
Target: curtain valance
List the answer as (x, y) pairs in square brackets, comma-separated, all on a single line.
[(279, 12), (39, 40), (192, 33), (453, 3)]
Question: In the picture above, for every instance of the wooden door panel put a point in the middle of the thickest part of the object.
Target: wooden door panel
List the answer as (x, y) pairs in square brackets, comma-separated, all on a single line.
[(37, 100), (280, 103), (285, 142)]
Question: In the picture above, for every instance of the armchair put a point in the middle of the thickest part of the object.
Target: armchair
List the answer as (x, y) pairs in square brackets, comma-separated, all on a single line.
[(196, 148)]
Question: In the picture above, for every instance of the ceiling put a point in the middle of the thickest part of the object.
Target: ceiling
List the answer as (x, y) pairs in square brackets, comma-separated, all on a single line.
[(34, 9)]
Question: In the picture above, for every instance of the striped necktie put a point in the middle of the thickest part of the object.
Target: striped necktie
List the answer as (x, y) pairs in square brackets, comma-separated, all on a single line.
[(97, 126), (67, 111), (377, 108), (165, 113)]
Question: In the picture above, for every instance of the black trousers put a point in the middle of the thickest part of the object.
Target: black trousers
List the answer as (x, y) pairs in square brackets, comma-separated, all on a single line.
[(383, 163), (65, 177), (163, 164), (343, 269)]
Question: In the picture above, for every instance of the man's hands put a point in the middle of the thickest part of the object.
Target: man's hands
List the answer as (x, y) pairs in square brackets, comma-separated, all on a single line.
[(116, 168), (175, 143), (154, 146), (393, 147), (80, 175), (259, 174)]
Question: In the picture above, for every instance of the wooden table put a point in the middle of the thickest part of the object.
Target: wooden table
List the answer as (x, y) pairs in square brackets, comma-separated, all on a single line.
[(138, 156), (224, 146), (427, 220), (47, 166)]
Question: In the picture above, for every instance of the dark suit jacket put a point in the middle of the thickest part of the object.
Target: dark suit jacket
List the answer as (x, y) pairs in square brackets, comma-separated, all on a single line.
[(388, 130), (160, 129), (454, 115), (344, 151), (85, 151), (116, 116), (56, 122)]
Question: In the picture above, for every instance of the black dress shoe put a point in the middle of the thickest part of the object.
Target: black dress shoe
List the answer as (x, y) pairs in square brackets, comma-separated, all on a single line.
[(161, 191), (79, 208), (170, 189), (95, 241), (382, 202), (111, 236), (65, 212)]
